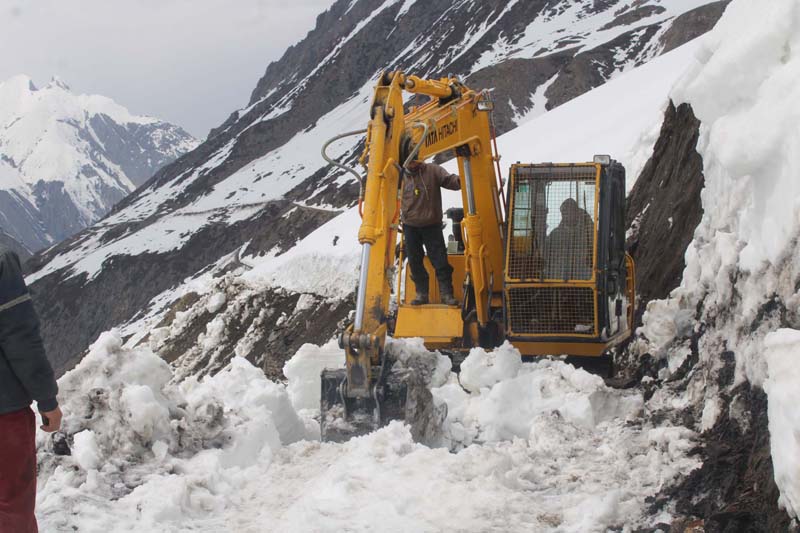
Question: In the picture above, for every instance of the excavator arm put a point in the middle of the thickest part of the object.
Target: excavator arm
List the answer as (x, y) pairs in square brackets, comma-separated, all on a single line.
[(455, 119)]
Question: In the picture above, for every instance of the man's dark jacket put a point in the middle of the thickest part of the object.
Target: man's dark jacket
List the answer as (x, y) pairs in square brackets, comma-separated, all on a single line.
[(25, 372), (422, 196)]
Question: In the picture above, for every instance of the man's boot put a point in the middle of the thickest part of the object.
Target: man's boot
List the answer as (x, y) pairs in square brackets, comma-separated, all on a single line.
[(420, 299), (447, 297)]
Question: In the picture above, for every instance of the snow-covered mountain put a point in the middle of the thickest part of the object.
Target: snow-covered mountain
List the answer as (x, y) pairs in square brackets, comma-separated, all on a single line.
[(251, 251), (66, 159)]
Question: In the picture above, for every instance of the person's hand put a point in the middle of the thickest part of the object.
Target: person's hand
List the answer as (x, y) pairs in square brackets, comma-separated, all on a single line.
[(51, 420)]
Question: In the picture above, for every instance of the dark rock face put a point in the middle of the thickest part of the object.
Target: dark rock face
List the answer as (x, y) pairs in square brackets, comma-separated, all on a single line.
[(629, 16), (140, 149), (592, 68), (735, 488), (504, 76), (664, 206), (693, 24), (275, 335), (21, 221), (13, 245), (59, 214), (84, 309)]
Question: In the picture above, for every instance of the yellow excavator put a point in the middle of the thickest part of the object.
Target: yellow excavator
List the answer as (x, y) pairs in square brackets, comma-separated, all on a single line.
[(543, 266)]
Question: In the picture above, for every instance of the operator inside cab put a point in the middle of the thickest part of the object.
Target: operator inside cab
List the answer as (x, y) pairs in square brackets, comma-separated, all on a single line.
[(421, 213)]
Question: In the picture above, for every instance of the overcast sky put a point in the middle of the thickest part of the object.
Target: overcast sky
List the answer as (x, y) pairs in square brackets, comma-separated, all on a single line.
[(190, 62)]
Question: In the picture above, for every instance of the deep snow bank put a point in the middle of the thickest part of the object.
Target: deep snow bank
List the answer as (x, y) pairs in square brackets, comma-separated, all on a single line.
[(540, 447), (783, 389), (496, 397), (743, 267), (149, 452)]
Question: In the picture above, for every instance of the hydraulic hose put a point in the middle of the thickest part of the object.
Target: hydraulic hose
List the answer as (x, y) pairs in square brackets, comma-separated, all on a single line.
[(351, 170)]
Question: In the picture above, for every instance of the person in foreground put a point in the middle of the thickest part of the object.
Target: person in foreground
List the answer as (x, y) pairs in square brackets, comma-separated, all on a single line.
[(25, 376), (421, 213)]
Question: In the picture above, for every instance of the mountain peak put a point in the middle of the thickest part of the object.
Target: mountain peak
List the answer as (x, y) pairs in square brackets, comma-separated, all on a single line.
[(68, 158), (57, 82)]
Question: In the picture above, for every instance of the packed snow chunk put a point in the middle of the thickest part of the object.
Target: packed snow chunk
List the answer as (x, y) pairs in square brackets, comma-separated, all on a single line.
[(783, 392), (253, 403), (85, 450), (509, 408), (303, 372), (145, 414), (433, 367), (215, 302), (483, 369)]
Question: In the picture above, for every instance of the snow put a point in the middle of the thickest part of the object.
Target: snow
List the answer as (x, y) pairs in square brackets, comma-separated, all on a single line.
[(318, 266), (621, 118), (37, 132), (483, 369), (303, 372), (538, 103), (85, 450), (497, 398), (783, 390), (232, 452), (573, 27), (533, 446), (315, 264), (746, 239), (216, 302), (151, 454)]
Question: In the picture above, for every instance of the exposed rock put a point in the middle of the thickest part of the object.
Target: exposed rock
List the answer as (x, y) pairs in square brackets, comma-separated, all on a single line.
[(692, 24), (592, 68), (633, 15), (664, 206), (735, 489), (9, 242), (84, 309)]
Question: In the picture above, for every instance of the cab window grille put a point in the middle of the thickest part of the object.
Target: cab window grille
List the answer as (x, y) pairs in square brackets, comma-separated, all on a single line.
[(553, 219), (551, 310)]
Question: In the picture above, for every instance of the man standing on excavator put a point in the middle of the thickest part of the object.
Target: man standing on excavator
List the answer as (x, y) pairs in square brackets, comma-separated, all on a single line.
[(421, 213)]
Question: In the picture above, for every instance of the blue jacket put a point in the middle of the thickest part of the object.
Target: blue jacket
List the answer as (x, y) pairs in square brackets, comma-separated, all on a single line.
[(25, 372)]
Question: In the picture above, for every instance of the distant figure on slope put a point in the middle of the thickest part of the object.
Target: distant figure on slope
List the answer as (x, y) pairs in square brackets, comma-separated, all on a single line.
[(569, 245), (421, 213), (25, 375)]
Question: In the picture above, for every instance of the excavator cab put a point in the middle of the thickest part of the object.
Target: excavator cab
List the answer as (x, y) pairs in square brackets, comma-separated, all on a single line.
[(568, 284)]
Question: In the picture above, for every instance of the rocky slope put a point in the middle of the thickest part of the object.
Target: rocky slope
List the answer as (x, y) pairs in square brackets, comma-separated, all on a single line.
[(258, 183), (734, 489), (66, 159)]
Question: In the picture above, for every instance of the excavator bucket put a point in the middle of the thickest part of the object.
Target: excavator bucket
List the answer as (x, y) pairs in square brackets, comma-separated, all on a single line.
[(401, 392)]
